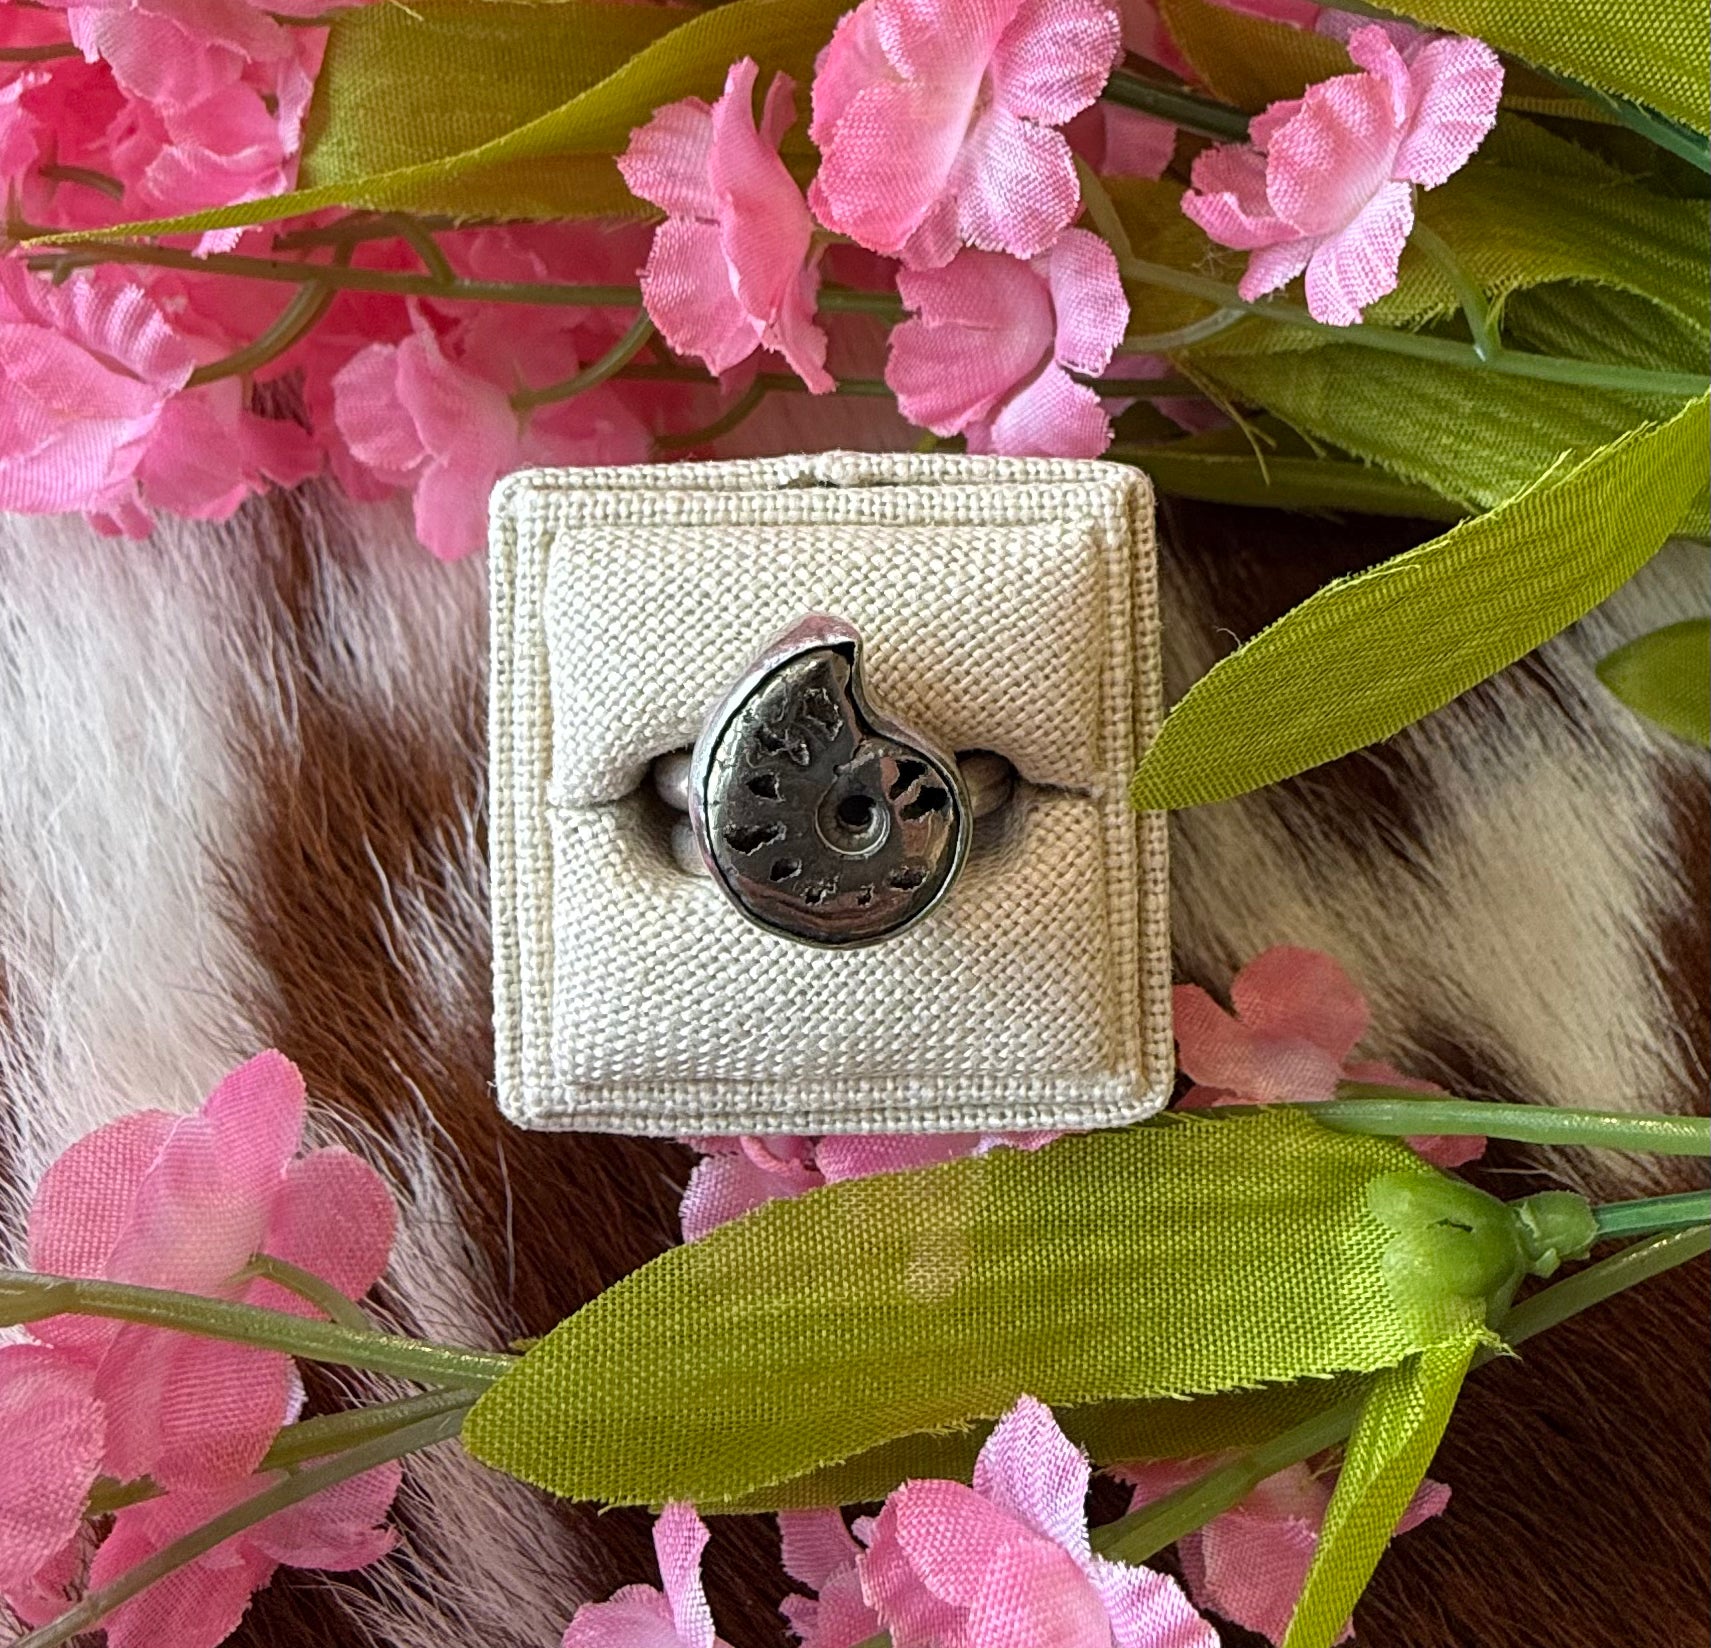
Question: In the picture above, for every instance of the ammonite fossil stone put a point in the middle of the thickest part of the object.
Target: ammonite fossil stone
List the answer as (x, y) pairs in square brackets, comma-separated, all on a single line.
[(821, 819)]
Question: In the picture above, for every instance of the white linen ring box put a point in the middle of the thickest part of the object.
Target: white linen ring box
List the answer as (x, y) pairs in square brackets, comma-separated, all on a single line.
[(1006, 605)]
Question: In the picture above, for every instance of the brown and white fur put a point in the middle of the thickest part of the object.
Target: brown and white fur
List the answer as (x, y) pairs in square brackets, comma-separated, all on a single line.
[(241, 805)]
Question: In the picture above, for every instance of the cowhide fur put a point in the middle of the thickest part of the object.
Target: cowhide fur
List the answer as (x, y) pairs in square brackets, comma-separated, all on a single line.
[(241, 804)]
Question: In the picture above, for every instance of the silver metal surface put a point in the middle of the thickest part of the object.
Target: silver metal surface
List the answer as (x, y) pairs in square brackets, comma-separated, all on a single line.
[(820, 818), (989, 779)]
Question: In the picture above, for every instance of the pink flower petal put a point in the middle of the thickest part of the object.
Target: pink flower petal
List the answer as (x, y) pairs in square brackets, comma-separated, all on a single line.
[(196, 1606), (1015, 184), (851, 60), (1272, 267), (680, 1536), (1053, 417), (54, 1435), (1215, 1048), (1087, 299), (1358, 265), (666, 162), (1430, 1499), (984, 324), (815, 1545), (1255, 1567), (1376, 50), (189, 1412), (921, 1571), (1229, 200), (1457, 83), (1333, 158), (951, 41), (765, 230), (334, 1217), (723, 1188), (1291, 991), (1029, 1469), (1032, 1592), (371, 418), (1054, 58), (890, 160), (686, 285), (85, 1197), (860, 1155), (337, 1529), (636, 1617), (1136, 144), (1147, 1609)]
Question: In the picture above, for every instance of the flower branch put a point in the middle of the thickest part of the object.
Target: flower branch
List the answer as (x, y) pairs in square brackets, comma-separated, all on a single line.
[(25, 1298), (1362, 1107), (296, 1487)]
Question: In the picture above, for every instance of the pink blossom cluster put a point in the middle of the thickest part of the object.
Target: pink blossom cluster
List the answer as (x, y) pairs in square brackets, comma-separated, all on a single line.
[(946, 189), (184, 1203), (1006, 1561)]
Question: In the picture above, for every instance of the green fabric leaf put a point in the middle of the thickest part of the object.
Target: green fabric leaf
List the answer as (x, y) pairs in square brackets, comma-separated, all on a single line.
[(381, 107), (1640, 49), (1666, 677), (1369, 654), (1400, 1425), (1316, 484), (1247, 61), (1468, 435), (1110, 1432), (1187, 1256), (536, 164)]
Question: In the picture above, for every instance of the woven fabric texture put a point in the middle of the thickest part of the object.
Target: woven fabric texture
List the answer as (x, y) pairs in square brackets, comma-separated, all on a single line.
[(1007, 605)]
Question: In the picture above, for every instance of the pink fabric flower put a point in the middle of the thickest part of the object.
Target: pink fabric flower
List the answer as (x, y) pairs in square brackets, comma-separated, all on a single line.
[(820, 1552), (744, 1172), (1297, 1019), (88, 368), (934, 119), (435, 415), (992, 342), (1007, 1563), (1249, 1564), (734, 267), (1119, 142), (639, 1616), (179, 1202), (200, 1604), (1327, 183), (54, 1435)]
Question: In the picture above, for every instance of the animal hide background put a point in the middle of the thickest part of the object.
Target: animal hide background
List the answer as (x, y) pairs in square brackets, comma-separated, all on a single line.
[(241, 804)]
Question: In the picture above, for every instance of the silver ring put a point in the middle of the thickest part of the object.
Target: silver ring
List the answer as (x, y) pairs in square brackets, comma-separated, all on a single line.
[(820, 818)]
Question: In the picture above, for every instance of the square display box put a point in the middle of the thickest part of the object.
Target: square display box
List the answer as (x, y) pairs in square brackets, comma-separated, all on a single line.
[(1007, 605)]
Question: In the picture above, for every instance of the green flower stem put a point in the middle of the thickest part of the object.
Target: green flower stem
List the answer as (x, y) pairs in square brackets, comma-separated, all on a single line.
[(1474, 308), (619, 355), (1652, 1215), (1180, 107), (1515, 363), (1183, 337), (1557, 1303), (26, 1297), (1146, 1532), (736, 413), (296, 1488), (1360, 1108), (308, 1439), (307, 1286)]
